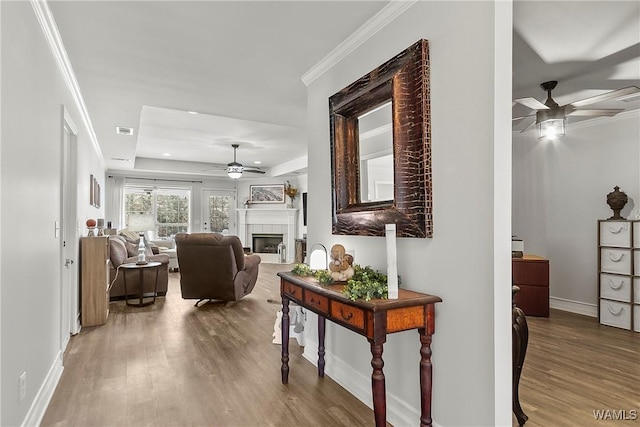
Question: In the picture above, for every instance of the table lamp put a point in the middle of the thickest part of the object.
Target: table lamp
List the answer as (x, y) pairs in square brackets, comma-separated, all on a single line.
[(141, 223)]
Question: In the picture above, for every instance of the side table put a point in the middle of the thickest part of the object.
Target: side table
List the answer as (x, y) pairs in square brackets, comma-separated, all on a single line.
[(140, 268)]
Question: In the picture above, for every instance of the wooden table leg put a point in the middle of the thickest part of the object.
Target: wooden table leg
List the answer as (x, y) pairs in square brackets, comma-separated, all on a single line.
[(378, 385), (284, 326), (321, 328), (426, 370), (520, 336), (140, 285)]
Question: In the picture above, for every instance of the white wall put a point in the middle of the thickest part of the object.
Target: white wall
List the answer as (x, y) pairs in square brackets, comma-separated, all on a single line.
[(33, 95), (559, 193), (457, 264)]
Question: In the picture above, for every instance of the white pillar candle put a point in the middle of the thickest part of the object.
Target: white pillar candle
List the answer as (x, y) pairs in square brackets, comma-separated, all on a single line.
[(392, 261)]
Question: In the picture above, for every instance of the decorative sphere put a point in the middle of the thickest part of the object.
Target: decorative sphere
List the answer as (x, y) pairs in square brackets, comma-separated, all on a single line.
[(91, 223)]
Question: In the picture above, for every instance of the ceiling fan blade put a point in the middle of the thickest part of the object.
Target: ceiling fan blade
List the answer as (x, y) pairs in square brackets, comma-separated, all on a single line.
[(526, 123), (595, 112), (215, 167), (533, 113), (253, 170), (532, 103), (606, 96)]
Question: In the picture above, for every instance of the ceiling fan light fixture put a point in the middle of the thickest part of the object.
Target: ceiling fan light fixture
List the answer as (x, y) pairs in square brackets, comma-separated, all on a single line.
[(234, 170), (551, 129)]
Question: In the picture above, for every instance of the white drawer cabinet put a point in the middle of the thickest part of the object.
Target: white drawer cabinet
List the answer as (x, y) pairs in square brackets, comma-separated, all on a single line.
[(614, 260), (615, 233), (615, 287), (613, 313), (619, 274)]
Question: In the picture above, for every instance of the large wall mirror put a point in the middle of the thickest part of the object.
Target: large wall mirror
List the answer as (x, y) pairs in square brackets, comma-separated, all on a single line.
[(381, 149)]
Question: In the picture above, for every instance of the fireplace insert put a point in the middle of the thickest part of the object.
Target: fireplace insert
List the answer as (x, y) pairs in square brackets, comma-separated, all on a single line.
[(266, 243)]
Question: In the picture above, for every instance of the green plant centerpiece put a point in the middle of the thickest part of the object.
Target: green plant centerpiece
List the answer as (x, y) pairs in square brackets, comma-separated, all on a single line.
[(322, 276), (366, 284)]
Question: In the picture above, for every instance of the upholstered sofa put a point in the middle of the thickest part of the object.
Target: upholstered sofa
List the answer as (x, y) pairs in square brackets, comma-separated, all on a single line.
[(214, 266), (121, 252), (168, 246)]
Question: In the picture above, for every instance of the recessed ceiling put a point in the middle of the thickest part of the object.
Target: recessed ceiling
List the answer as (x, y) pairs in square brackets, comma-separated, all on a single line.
[(236, 63), (146, 64)]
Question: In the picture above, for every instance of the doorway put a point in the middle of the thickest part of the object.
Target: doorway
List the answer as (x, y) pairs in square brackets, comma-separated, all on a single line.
[(219, 211)]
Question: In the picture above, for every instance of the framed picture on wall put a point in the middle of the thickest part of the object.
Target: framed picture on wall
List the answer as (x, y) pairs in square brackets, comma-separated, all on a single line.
[(91, 190), (304, 209), (267, 193), (96, 195)]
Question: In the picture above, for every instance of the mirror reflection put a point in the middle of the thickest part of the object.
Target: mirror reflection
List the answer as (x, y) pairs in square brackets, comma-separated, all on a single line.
[(375, 148)]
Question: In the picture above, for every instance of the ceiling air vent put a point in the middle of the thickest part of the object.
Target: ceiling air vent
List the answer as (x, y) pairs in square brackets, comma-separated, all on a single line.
[(121, 130)]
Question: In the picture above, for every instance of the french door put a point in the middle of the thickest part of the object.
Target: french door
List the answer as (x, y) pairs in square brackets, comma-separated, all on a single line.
[(219, 211)]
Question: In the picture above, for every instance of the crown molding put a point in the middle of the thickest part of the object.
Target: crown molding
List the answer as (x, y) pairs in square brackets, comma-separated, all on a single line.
[(51, 33), (380, 20)]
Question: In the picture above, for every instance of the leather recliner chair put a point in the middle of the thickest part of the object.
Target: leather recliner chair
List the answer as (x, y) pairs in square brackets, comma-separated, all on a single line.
[(214, 266), (118, 254)]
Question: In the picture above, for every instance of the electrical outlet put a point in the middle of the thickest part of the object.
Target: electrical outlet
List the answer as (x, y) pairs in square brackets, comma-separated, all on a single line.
[(22, 387)]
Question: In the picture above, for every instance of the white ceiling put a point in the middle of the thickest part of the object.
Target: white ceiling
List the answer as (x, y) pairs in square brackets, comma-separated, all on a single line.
[(239, 65), (589, 47)]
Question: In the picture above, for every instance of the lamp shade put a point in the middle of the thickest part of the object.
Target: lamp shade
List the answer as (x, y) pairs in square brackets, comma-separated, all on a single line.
[(318, 257), (141, 222)]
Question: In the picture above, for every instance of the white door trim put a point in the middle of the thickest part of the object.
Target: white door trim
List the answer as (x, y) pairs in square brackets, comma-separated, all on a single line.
[(69, 294)]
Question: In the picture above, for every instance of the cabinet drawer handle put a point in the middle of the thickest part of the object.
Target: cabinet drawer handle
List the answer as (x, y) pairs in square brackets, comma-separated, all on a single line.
[(347, 317), (614, 259), (613, 286), (615, 313), (620, 228)]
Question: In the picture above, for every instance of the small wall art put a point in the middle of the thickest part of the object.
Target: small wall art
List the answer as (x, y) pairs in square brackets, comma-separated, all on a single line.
[(267, 193), (94, 192)]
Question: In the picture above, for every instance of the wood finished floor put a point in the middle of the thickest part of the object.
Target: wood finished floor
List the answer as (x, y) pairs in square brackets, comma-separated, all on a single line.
[(170, 364), (574, 366)]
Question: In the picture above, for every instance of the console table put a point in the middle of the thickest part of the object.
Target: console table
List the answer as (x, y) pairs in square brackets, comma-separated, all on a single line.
[(372, 319)]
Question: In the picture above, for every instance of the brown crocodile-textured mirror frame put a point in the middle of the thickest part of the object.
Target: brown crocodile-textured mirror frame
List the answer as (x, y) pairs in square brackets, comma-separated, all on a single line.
[(404, 80)]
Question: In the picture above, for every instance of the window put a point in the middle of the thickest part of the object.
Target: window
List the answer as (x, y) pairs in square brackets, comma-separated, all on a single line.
[(169, 208)]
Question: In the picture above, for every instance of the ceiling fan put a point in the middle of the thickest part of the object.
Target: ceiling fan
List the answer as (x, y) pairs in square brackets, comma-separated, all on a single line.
[(235, 169), (550, 118)]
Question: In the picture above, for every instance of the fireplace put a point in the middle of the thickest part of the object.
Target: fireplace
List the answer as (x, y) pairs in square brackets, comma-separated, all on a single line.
[(266, 243), (268, 222)]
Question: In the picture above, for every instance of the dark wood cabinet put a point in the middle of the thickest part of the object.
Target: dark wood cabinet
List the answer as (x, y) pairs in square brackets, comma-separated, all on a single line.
[(531, 275)]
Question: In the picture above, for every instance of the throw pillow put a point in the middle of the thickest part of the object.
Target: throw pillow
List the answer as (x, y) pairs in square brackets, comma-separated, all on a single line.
[(132, 249), (130, 236)]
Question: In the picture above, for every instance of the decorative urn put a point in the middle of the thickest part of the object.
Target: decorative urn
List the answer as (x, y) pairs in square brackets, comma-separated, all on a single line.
[(616, 201)]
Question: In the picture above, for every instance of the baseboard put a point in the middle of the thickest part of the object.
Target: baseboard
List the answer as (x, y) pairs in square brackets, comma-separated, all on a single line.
[(45, 393), (399, 413), (577, 307)]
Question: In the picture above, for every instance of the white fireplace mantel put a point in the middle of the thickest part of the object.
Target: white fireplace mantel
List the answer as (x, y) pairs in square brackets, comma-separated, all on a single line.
[(268, 221)]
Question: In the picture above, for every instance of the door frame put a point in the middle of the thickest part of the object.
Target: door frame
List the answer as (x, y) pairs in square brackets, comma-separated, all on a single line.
[(232, 206), (68, 232)]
